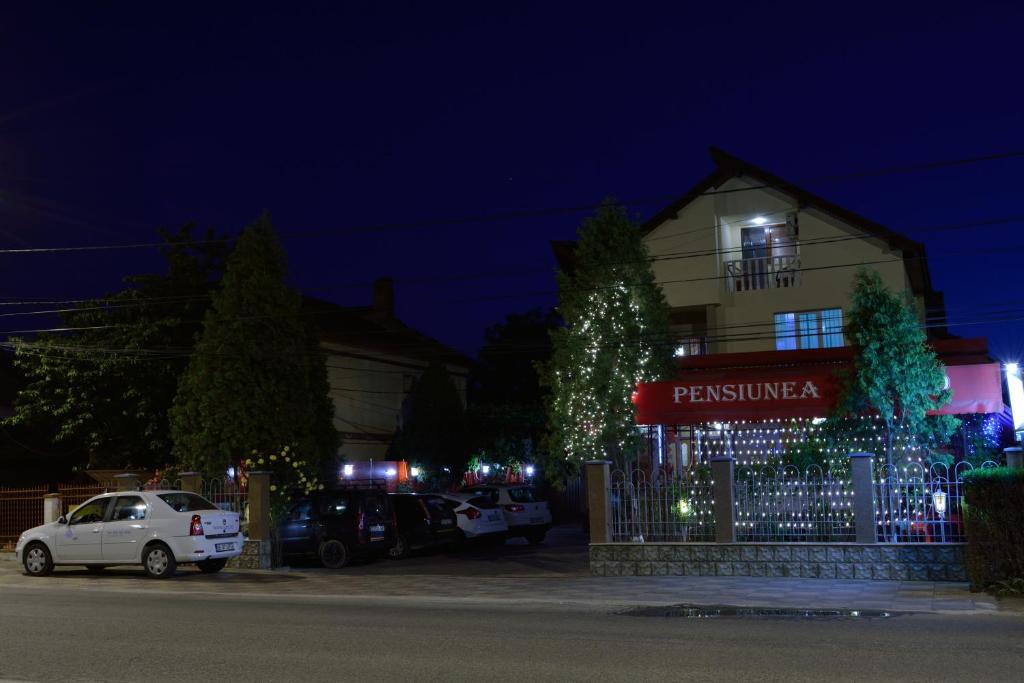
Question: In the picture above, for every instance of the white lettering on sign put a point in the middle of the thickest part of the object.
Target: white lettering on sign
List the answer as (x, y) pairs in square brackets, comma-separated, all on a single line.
[(729, 393)]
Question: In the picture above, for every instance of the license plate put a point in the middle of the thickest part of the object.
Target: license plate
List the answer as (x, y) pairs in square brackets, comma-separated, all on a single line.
[(377, 532), (224, 547), (446, 522), (492, 518)]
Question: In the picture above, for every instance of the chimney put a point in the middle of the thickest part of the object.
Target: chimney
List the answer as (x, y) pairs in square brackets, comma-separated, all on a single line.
[(384, 297)]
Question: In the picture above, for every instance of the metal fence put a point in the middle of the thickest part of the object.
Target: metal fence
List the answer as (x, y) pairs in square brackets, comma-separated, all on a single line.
[(227, 494), (661, 509), (786, 505), (20, 509), (915, 504)]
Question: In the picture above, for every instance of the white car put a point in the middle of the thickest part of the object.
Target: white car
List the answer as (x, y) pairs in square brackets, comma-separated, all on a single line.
[(157, 529), (478, 516), (525, 514)]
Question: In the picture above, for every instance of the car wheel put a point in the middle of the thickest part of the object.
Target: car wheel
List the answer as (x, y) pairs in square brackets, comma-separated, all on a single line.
[(212, 566), (333, 554), (400, 550), (38, 561), (94, 568), (159, 562), (535, 537)]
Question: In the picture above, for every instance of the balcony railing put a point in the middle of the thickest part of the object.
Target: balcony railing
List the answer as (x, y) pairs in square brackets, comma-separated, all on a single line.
[(769, 272)]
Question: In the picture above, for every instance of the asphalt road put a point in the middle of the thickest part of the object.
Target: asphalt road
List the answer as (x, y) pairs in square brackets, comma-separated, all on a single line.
[(134, 631)]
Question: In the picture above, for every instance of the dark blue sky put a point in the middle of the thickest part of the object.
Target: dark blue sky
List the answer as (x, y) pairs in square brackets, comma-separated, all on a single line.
[(119, 118)]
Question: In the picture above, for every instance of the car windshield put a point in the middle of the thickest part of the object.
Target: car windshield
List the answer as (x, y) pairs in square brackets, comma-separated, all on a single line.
[(186, 502), (522, 494)]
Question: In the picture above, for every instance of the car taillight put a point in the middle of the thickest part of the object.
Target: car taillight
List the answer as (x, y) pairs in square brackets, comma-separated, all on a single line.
[(515, 508), (196, 527), (471, 513)]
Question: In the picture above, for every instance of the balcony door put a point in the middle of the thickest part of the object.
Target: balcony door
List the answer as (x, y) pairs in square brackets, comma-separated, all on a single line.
[(755, 243)]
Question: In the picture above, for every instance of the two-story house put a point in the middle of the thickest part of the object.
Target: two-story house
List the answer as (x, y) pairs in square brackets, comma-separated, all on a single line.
[(758, 273)]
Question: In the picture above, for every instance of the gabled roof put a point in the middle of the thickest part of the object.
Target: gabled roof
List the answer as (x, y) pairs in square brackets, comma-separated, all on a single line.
[(371, 329), (729, 166)]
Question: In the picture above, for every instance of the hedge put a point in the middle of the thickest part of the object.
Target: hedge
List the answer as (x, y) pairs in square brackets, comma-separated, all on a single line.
[(994, 520)]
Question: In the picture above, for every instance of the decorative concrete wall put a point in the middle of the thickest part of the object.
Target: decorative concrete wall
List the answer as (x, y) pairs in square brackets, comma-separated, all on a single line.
[(881, 561), (255, 555)]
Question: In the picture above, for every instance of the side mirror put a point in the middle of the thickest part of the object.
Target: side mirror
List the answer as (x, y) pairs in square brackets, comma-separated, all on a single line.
[(62, 520)]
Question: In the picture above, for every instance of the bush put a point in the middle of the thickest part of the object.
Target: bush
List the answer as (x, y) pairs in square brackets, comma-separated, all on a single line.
[(994, 518)]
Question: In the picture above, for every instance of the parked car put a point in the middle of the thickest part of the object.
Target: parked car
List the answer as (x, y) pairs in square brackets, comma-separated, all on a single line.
[(526, 515), (338, 525), (479, 517), (424, 520), (157, 529)]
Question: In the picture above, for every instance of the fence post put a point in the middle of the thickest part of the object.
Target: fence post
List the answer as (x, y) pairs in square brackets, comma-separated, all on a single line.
[(863, 497), (52, 507), (127, 481), (599, 503), (1014, 457), (192, 482), (725, 509), (259, 506)]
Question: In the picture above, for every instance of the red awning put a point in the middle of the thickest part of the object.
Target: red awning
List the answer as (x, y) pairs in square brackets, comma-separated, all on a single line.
[(785, 384)]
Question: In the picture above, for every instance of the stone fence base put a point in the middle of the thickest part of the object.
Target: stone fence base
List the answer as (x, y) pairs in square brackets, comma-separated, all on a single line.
[(255, 555), (881, 561)]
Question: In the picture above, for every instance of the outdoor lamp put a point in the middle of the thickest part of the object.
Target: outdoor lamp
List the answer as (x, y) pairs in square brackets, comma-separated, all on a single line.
[(346, 470), (939, 500), (414, 471), (486, 469), (389, 472), (529, 470)]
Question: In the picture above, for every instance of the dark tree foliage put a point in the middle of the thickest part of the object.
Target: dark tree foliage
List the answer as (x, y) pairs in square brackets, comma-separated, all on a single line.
[(257, 380), (506, 414), (104, 388), (433, 433)]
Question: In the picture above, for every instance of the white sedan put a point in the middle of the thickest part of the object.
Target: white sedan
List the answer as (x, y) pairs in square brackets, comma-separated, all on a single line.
[(157, 529), (525, 514), (478, 516)]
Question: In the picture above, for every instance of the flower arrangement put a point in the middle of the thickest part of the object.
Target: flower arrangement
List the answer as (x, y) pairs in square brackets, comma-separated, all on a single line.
[(290, 474)]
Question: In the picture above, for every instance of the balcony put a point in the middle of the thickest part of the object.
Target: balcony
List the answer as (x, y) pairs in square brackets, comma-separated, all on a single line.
[(767, 272)]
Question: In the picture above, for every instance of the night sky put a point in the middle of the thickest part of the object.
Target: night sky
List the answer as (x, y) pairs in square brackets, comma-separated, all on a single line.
[(372, 130)]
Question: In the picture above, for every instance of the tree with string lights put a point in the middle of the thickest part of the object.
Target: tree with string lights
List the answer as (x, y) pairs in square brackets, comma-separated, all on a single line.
[(895, 373), (615, 334)]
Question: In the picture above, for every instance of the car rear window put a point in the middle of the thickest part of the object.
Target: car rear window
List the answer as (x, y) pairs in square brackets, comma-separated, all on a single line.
[(436, 504), (486, 492), (186, 502), (522, 494), (482, 503), (334, 503)]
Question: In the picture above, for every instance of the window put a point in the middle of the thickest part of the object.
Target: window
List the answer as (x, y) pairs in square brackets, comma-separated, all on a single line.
[(129, 508), (186, 502), (301, 512), (90, 512), (522, 494), (334, 504), (809, 330), (373, 504), (691, 346)]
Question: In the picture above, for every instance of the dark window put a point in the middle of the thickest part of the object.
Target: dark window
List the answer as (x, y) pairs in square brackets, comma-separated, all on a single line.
[(334, 504), (90, 512), (186, 502), (301, 512), (435, 504), (482, 503), (373, 504), (522, 494), (128, 508), (488, 492)]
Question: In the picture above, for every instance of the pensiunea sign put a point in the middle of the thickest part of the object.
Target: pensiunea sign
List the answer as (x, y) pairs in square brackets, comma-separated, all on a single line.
[(791, 390)]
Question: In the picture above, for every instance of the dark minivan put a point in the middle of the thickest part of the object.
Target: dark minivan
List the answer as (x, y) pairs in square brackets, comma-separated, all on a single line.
[(339, 525), (424, 520)]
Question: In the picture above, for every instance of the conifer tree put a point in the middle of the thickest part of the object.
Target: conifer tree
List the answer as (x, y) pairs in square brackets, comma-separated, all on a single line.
[(896, 374), (257, 380), (616, 333)]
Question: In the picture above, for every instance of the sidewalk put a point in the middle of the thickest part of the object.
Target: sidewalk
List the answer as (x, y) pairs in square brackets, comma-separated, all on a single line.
[(582, 591)]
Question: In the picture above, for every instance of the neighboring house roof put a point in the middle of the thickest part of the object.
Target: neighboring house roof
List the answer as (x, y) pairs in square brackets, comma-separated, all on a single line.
[(374, 329)]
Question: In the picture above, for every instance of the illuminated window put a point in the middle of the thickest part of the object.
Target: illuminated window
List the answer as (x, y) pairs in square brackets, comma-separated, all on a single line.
[(809, 330)]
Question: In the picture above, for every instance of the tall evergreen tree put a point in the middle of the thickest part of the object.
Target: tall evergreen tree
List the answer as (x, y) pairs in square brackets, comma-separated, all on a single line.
[(257, 380), (433, 430), (105, 387), (616, 334), (895, 374)]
